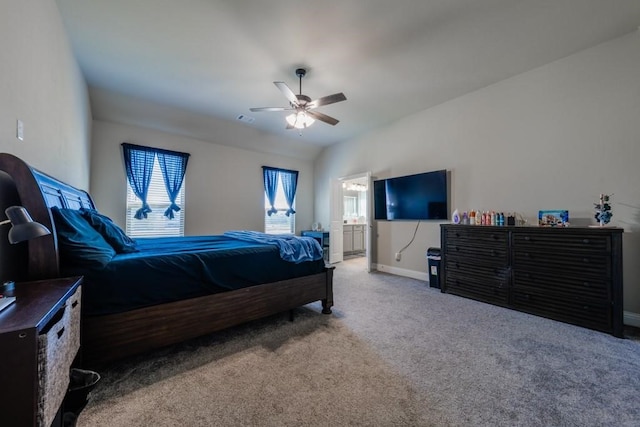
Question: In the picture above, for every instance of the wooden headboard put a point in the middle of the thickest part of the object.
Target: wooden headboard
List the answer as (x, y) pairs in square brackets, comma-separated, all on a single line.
[(38, 192)]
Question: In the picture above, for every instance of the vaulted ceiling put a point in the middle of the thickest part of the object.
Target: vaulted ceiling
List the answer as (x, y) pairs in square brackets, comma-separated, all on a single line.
[(190, 66)]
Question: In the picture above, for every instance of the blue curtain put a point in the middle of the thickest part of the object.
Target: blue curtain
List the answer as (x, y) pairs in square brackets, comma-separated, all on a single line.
[(173, 167), (139, 166), (270, 176), (289, 181)]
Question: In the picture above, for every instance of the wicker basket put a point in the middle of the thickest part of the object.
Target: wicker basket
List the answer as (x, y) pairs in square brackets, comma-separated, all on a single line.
[(58, 345)]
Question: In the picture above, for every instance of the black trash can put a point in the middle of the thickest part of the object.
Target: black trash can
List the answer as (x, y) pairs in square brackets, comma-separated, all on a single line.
[(81, 382), (433, 260)]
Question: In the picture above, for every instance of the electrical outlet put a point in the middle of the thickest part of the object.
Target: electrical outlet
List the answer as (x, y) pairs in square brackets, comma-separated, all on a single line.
[(20, 130), (398, 256)]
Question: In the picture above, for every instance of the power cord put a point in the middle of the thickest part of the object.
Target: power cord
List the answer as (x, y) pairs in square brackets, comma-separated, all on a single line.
[(399, 253)]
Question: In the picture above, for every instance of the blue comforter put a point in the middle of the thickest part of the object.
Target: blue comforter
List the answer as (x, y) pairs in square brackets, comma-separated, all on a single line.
[(292, 248), (169, 269)]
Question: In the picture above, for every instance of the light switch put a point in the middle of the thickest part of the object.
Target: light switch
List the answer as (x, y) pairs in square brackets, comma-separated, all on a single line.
[(20, 130)]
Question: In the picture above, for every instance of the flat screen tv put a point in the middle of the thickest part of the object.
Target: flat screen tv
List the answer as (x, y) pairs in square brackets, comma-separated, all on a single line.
[(421, 196)]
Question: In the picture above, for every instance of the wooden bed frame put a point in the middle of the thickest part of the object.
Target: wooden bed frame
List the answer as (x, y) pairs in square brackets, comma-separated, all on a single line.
[(109, 337)]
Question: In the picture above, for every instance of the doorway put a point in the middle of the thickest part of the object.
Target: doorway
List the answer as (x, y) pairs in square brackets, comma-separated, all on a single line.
[(351, 218)]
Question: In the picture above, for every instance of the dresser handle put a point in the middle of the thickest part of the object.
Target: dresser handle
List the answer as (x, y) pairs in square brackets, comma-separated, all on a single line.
[(586, 307), (22, 335), (586, 284), (585, 260), (527, 238), (585, 241)]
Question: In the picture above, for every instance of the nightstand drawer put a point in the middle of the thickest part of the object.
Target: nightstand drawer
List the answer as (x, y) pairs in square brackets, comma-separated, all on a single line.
[(58, 345)]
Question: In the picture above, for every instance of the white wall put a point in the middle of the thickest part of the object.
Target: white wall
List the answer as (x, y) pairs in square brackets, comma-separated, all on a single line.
[(552, 138), (223, 185), (41, 84)]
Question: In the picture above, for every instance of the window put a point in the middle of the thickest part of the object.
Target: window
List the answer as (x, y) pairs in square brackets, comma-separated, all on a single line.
[(155, 178), (156, 224), (280, 187), (278, 222)]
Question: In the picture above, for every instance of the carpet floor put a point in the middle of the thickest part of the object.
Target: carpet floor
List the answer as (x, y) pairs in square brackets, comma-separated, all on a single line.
[(394, 353)]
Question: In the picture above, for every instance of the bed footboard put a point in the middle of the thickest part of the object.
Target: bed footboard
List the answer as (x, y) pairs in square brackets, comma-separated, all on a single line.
[(110, 337)]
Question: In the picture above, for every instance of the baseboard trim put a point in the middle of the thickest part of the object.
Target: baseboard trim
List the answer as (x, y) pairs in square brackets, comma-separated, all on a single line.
[(401, 272), (629, 318)]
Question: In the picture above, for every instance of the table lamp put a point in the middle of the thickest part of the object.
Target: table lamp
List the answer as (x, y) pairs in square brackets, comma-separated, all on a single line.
[(23, 228)]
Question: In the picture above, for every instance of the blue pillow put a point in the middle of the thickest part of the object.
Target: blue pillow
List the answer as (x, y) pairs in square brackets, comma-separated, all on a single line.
[(110, 231), (79, 243)]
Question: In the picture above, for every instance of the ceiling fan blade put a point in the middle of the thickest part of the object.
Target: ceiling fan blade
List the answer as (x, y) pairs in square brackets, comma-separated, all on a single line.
[(323, 118), (326, 100), (270, 109), (293, 99)]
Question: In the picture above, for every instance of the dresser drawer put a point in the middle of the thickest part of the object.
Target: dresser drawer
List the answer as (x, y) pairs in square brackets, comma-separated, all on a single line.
[(58, 345), (566, 264), (479, 256), (477, 236), (563, 284), (484, 284), (590, 314), (490, 275), (561, 244)]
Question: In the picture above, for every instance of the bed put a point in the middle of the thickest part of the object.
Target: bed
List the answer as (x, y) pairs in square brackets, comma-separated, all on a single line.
[(113, 333)]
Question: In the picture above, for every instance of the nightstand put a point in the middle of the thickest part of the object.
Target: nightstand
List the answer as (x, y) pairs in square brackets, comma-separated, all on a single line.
[(322, 237), (39, 339)]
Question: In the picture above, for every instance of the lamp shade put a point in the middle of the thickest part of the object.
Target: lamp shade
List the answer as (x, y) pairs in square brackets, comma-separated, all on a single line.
[(300, 120), (24, 227)]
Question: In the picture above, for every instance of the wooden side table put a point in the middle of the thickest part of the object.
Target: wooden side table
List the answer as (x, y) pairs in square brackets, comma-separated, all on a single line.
[(39, 338)]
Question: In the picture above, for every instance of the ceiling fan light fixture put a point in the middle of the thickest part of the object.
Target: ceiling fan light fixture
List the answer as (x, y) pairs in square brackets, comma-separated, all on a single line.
[(300, 120)]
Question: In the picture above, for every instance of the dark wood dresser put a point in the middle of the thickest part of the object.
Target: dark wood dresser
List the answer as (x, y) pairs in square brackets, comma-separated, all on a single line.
[(39, 338), (571, 274)]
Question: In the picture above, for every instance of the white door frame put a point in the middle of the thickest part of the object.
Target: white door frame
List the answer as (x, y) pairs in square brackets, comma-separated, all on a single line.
[(336, 205)]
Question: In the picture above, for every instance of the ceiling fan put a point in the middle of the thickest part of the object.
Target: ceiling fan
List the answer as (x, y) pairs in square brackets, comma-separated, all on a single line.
[(302, 106)]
